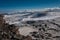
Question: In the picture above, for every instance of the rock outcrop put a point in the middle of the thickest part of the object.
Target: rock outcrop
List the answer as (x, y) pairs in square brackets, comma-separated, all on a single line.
[(10, 32), (47, 29)]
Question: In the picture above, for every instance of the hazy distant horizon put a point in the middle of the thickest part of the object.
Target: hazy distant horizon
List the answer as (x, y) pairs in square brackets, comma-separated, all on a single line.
[(22, 10)]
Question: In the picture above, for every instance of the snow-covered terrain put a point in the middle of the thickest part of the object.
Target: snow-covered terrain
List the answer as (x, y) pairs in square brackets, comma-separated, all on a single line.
[(16, 18), (50, 15)]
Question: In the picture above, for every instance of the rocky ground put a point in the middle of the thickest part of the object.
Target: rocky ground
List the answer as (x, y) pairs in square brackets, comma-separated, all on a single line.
[(10, 32), (36, 30), (47, 29)]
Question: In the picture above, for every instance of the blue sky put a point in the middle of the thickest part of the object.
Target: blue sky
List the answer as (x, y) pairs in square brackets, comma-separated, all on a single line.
[(28, 4)]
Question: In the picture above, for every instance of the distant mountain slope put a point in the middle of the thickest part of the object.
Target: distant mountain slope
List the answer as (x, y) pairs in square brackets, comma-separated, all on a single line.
[(36, 15)]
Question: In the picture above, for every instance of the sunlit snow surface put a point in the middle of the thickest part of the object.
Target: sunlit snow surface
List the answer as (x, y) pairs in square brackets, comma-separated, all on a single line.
[(16, 18)]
